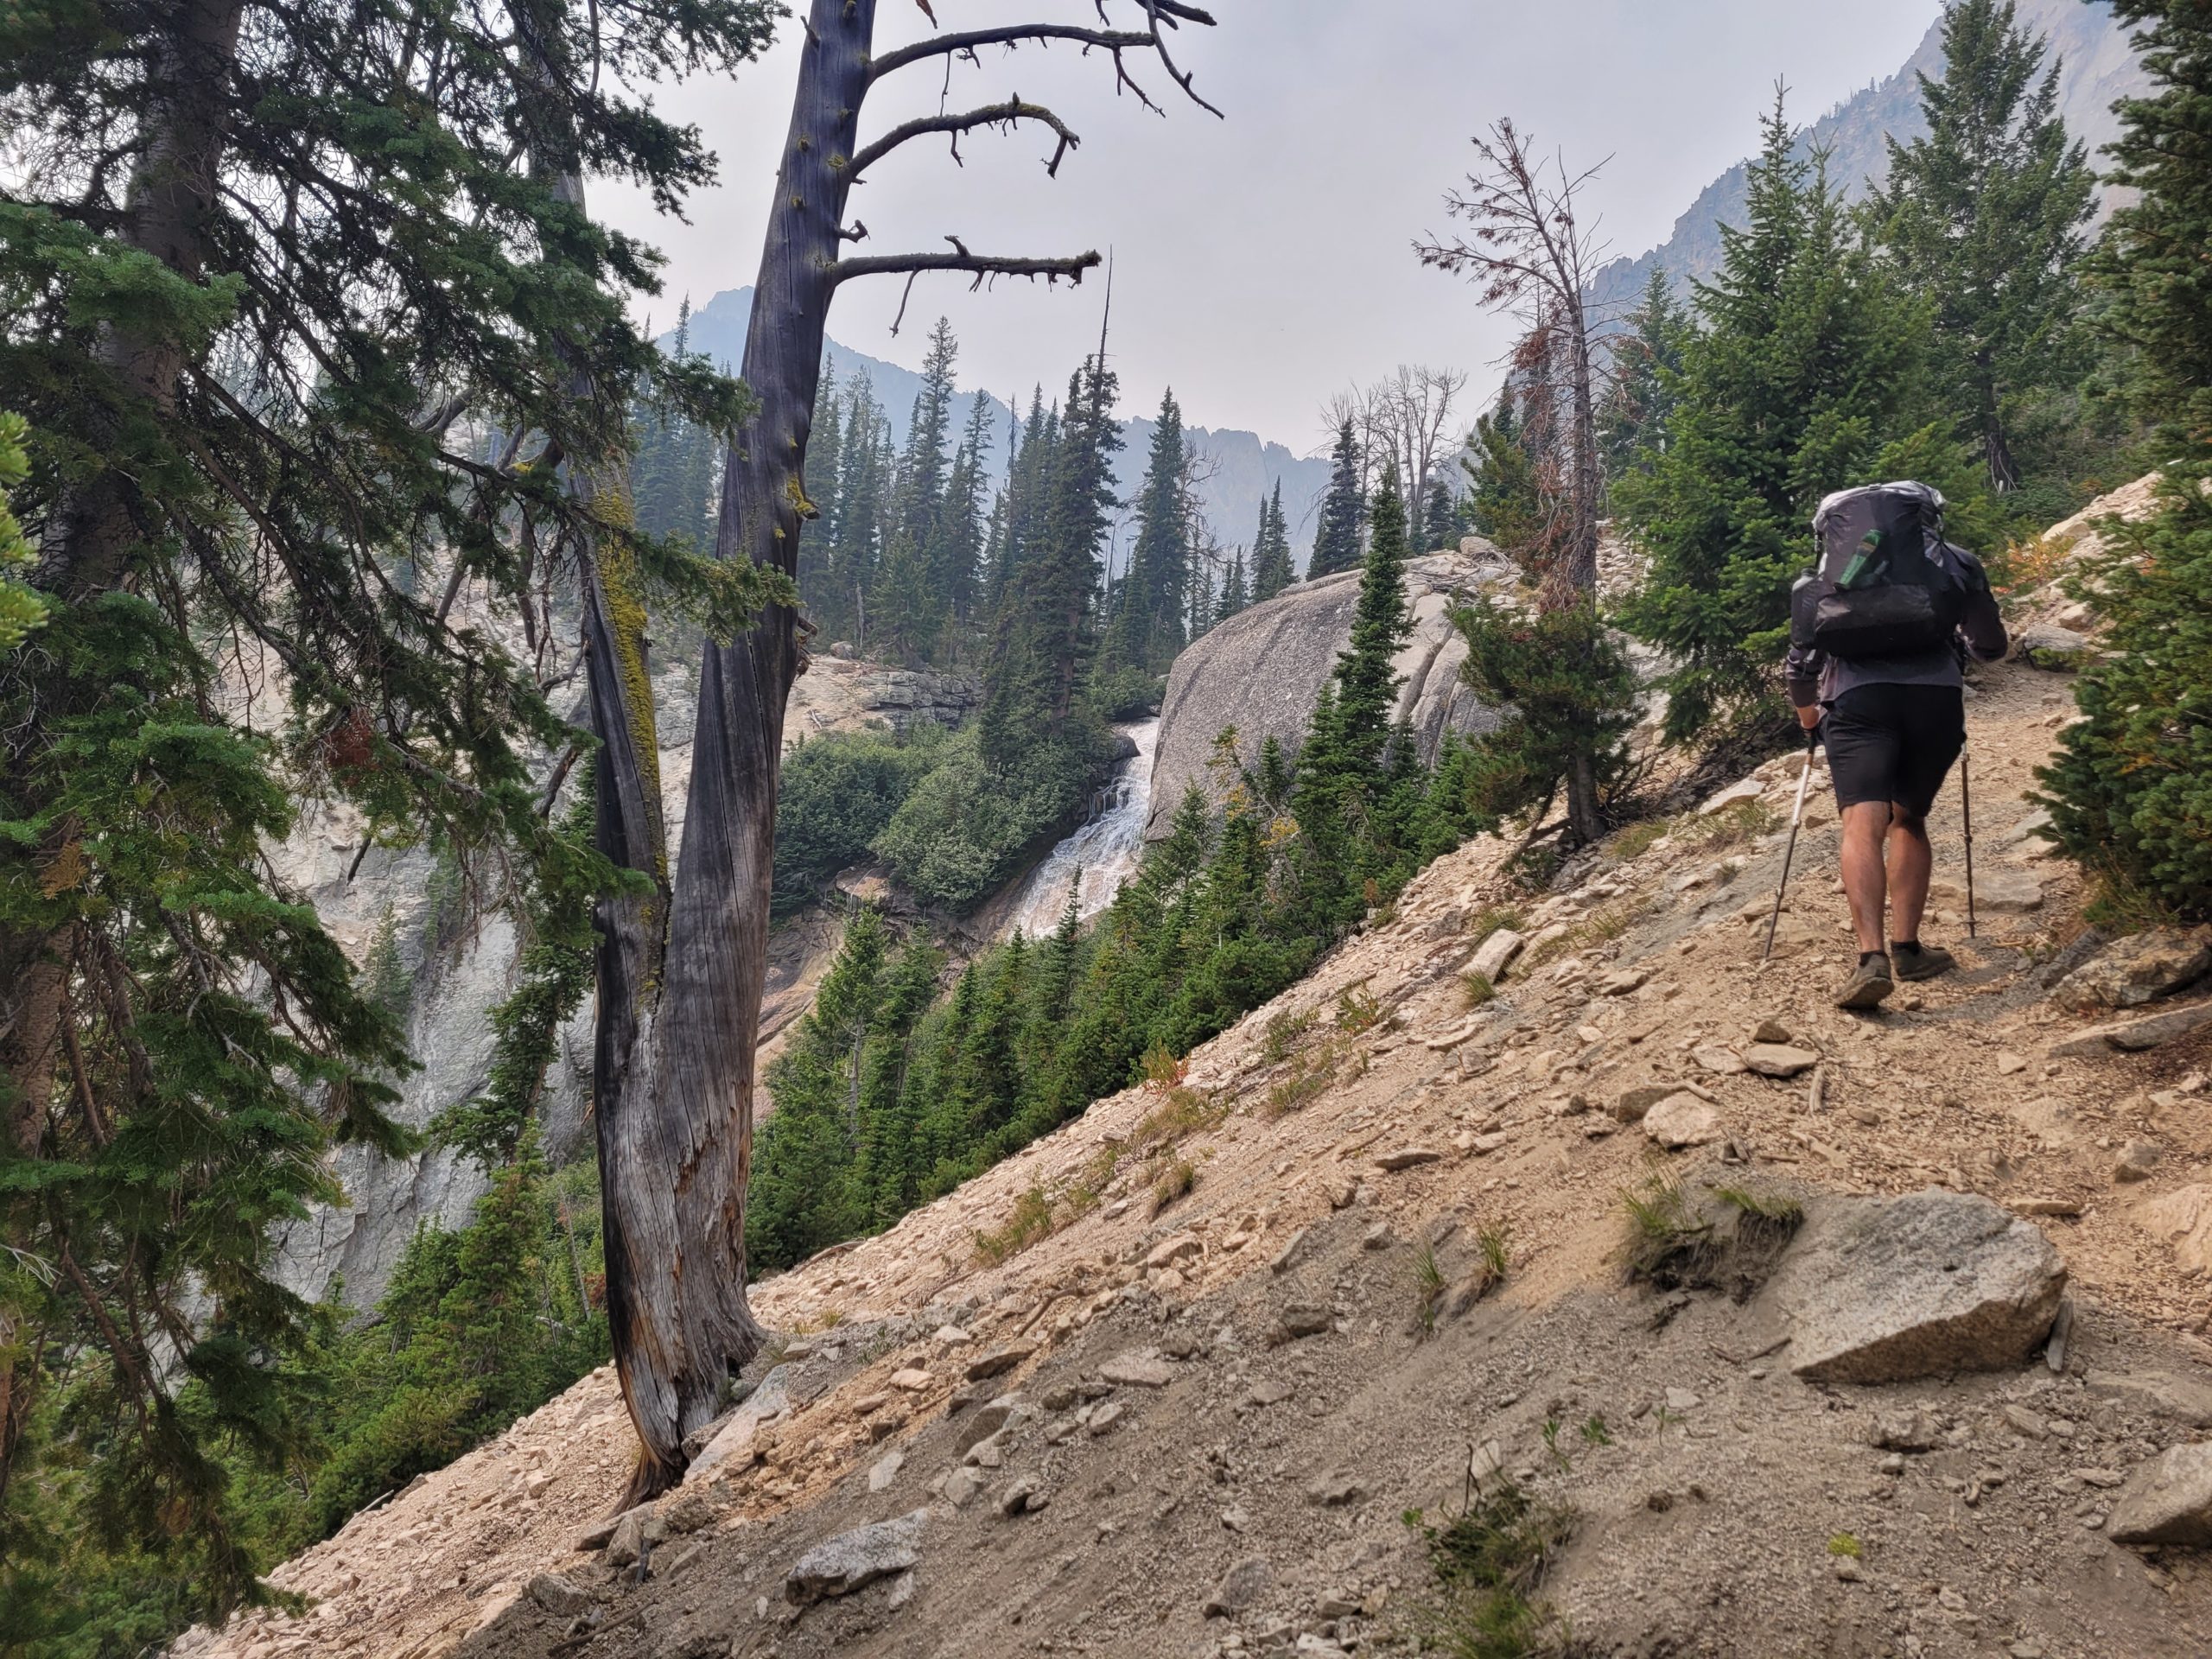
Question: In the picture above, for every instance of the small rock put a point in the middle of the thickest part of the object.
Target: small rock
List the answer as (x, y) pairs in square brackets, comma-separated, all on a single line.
[(1137, 1368), (1305, 1318), (2138, 969), (1243, 1587), (635, 1532), (1335, 1491), (1023, 1497), (962, 1485), (1907, 1431), (1631, 1105), (2183, 1218), (1495, 952), (885, 1470), (2027, 1422), (2011, 891), (2045, 644), (1270, 1391), (1779, 1059), (2132, 1035), (1772, 1030), (1106, 1418), (1681, 1120), (1408, 1158), (912, 1380), (557, 1594), (985, 1420), (839, 1566), (1378, 1237), (1292, 1253), (2164, 1393), (1169, 1251), (1721, 1061), (1680, 1399), (2010, 1064), (1621, 983), (1747, 788), (998, 1361), (2137, 1159)]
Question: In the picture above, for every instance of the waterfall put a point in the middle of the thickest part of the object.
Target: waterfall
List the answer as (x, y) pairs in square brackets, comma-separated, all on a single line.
[(1106, 849)]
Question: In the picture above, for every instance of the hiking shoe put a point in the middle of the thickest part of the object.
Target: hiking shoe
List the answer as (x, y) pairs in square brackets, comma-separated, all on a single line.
[(1869, 983), (1926, 963)]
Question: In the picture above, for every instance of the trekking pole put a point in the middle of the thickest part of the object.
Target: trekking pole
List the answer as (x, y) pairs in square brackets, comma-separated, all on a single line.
[(1804, 779), (1966, 809)]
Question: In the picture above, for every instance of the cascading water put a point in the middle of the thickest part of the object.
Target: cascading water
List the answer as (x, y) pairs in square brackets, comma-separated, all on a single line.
[(1105, 851)]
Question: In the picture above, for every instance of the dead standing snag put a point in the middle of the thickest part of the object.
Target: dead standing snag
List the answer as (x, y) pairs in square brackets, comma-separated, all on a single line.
[(681, 969)]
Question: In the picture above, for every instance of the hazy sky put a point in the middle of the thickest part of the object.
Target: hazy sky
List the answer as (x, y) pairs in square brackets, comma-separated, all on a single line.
[(1262, 261)]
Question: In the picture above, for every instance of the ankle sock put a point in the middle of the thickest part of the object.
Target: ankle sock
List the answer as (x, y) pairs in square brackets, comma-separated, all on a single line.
[(1865, 956), (1909, 945)]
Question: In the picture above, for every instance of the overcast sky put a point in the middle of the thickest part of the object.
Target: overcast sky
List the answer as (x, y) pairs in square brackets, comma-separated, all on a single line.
[(1262, 261)]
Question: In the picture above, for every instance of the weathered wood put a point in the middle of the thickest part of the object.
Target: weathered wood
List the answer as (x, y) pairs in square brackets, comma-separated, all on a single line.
[(674, 1089)]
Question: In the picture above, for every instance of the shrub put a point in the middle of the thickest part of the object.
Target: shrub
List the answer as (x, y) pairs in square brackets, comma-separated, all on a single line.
[(837, 795), (2130, 790), (963, 829)]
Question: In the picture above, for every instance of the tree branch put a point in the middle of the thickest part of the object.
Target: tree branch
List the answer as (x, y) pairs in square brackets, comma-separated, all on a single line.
[(995, 115), (981, 266), (966, 41)]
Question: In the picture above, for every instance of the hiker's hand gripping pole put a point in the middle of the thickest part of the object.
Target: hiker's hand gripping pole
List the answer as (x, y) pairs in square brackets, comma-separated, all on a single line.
[(1796, 817)]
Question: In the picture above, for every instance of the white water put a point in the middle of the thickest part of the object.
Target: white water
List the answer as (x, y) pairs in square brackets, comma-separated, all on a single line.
[(1105, 852)]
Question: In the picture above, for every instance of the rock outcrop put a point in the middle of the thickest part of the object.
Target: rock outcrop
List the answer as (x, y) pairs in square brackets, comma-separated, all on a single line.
[(1262, 669), (456, 972)]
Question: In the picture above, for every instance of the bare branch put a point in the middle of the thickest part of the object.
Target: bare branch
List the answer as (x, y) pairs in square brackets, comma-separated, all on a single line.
[(966, 41), (981, 266), (995, 115)]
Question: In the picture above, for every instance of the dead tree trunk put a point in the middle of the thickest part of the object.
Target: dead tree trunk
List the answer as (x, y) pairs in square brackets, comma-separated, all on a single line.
[(679, 999), (1532, 258)]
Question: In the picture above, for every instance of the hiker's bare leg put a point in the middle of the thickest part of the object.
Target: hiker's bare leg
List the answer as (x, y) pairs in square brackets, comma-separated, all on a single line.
[(1864, 880), (1911, 862)]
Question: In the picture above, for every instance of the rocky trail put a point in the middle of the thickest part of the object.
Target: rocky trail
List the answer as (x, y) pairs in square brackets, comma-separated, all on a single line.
[(1915, 1366)]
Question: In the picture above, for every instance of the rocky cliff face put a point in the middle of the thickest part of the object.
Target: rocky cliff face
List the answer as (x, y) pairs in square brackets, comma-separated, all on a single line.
[(459, 973), (1261, 670)]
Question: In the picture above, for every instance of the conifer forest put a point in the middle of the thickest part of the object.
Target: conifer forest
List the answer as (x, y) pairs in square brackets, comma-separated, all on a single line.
[(480, 735)]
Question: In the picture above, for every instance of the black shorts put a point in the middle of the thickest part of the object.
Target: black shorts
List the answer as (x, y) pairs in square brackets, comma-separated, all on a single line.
[(1894, 743)]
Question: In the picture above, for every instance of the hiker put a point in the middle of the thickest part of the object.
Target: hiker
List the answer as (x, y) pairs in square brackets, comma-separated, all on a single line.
[(1880, 630)]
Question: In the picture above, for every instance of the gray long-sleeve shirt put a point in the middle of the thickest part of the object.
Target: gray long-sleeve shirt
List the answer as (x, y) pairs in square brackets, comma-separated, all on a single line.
[(1814, 675)]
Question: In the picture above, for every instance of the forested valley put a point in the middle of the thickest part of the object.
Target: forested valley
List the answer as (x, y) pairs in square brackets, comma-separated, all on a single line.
[(342, 465)]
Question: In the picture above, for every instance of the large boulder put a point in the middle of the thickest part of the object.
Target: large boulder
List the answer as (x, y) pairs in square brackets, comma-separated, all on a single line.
[(1884, 1290), (839, 1566), (1262, 669)]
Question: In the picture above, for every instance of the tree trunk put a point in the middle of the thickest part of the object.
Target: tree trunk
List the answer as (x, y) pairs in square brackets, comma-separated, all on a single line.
[(673, 1085)]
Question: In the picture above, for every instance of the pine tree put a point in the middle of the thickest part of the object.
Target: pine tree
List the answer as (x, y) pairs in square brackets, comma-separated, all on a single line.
[(1503, 502), (2151, 262), (1044, 635), (1343, 509), (1805, 369), (1271, 566), (1647, 361), (1440, 515), (293, 270), (2131, 788), (1234, 595), (1983, 219), (1148, 626), (965, 529)]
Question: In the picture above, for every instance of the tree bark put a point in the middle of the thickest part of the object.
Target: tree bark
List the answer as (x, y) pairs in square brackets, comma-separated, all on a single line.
[(674, 1076)]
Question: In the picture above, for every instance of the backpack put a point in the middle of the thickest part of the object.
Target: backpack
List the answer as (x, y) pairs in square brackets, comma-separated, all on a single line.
[(1881, 588)]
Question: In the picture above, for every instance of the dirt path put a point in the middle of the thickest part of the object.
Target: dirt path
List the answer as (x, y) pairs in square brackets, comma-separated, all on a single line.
[(1713, 1486)]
